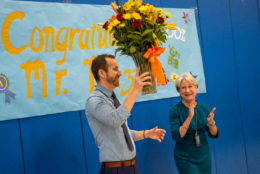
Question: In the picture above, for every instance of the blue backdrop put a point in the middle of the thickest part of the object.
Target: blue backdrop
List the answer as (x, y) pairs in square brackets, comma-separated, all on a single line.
[(229, 33)]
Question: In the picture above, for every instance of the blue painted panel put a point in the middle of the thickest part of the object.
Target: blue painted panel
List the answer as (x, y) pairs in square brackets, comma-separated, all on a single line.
[(99, 2), (177, 3), (258, 7), (48, 1), (221, 82), (11, 160), (53, 144), (247, 50), (92, 155)]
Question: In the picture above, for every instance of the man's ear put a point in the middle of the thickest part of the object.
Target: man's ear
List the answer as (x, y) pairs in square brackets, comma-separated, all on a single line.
[(102, 74)]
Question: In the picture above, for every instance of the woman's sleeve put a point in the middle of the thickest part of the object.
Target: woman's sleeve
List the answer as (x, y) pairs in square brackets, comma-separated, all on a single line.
[(175, 124)]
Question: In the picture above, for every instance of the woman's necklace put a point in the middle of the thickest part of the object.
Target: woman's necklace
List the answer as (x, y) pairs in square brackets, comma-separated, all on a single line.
[(197, 136)]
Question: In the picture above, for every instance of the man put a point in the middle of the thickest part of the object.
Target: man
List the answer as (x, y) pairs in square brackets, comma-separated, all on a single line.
[(107, 118)]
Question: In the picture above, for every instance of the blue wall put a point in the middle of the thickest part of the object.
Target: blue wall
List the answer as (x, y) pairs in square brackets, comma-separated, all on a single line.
[(229, 32)]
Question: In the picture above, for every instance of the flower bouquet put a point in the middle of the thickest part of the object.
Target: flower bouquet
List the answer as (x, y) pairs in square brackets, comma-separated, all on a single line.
[(138, 30)]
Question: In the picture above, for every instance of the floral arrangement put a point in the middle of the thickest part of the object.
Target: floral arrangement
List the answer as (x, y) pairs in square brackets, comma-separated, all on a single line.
[(139, 29)]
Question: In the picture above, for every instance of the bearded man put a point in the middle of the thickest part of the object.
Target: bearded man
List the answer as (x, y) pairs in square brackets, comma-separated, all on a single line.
[(107, 118)]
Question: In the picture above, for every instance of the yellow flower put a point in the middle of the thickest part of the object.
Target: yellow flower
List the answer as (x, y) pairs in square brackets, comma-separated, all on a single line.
[(122, 25), (157, 41), (113, 5), (127, 5), (112, 18), (136, 15), (151, 8), (152, 18), (109, 28), (168, 15), (170, 26), (143, 9), (101, 24), (137, 3), (160, 11), (127, 16), (115, 22)]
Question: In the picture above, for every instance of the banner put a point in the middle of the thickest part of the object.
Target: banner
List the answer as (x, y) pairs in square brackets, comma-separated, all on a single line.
[(46, 50)]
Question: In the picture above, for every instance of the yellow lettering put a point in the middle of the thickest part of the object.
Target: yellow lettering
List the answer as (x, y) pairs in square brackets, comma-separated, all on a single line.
[(100, 43), (91, 76), (62, 47), (36, 50), (47, 31), (81, 44), (93, 34), (73, 32), (5, 33), (59, 76), (110, 39), (35, 66), (128, 71)]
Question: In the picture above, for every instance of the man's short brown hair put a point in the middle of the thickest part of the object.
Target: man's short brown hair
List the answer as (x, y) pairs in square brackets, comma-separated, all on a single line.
[(100, 62)]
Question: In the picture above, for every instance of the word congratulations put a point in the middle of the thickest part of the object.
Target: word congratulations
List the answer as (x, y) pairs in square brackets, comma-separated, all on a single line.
[(66, 45)]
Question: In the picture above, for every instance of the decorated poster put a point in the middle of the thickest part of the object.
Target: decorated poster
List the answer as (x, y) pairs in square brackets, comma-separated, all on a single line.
[(46, 50)]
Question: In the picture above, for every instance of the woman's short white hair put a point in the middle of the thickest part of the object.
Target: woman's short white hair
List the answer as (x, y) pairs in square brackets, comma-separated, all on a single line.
[(186, 76)]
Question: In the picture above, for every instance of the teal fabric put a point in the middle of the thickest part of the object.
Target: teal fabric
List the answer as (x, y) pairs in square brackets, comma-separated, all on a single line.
[(189, 158)]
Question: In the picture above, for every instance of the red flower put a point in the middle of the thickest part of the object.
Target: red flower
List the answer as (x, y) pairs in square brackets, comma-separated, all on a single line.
[(120, 17), (161, 20), (106, 25), (137, 23), (119, 10)]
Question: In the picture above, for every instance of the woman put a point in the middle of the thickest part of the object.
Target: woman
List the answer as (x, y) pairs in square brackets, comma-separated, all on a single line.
[(189, 120)]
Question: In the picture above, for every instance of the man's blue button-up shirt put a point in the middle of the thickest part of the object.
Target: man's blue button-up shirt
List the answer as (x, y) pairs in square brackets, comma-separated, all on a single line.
[(105, 122)]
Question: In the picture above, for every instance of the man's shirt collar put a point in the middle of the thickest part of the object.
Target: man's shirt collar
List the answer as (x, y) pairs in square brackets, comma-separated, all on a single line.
[(104, 90)]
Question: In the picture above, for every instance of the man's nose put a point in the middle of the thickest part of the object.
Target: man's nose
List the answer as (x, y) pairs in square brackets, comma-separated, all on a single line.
[(119, 72)]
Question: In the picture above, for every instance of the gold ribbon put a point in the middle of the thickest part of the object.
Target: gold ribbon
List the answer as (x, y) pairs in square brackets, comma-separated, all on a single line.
[(157, 70)]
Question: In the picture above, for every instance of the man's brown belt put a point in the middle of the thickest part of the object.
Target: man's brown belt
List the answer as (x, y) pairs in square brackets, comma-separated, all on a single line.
[(120, 163)]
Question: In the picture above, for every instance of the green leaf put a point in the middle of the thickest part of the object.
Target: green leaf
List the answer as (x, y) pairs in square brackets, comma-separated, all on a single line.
[(135, 32), (146, 32), (131, 36)]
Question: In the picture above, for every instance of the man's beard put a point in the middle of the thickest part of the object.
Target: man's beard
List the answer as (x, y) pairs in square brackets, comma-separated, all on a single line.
[(114, 81)]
